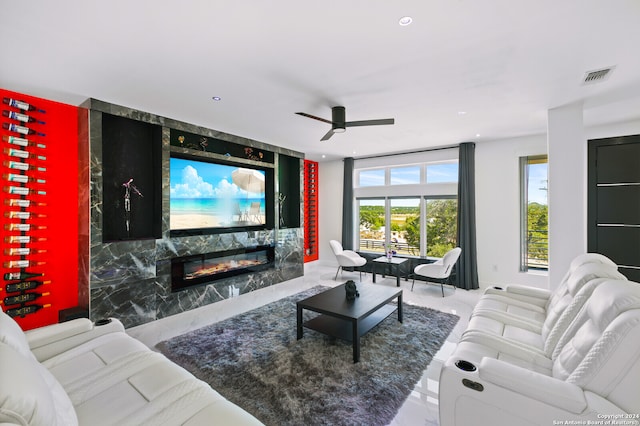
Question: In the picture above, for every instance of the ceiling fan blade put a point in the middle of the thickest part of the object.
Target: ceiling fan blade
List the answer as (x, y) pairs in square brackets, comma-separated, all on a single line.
[(328, 135), (304, 114), (369, 122)]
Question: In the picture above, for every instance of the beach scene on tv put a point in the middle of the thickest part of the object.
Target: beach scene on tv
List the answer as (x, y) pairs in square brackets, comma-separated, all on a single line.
[(211, 195)]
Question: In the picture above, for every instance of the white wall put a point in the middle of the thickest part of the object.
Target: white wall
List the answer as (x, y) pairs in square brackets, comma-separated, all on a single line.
[(331, 175), (612, 130), (567, 192), (498, 210)]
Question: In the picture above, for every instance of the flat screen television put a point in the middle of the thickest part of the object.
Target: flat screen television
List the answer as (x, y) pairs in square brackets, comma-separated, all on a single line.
[(208, 196)]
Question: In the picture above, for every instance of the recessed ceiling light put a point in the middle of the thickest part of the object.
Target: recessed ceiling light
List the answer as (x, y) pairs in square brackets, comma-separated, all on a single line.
[(354, 152), (462, 112), (405, 20), (324, 156), (217, 98), (477, 135)]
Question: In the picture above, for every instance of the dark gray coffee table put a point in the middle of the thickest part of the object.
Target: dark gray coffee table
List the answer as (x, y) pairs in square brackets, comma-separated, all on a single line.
[(349, 320), (390, 263)]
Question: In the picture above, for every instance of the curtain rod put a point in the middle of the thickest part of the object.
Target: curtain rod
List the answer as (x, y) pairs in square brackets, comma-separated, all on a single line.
[(407, 152)]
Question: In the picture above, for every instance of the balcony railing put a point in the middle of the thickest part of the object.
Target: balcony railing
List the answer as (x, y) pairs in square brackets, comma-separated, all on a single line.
[(538, 249), (378, 246)]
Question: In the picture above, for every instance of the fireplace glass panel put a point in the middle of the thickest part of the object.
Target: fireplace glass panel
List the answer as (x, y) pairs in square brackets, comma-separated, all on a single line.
[(204, 268)]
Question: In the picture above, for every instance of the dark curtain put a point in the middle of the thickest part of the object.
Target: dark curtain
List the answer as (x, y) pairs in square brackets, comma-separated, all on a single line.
[(467, 267), (347, 205)]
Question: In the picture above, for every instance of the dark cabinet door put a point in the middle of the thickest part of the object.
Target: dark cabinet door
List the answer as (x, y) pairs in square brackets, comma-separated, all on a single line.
[(614, 201)]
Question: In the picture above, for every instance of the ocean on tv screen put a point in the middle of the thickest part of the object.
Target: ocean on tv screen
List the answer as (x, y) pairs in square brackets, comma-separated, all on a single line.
[(210, 195)]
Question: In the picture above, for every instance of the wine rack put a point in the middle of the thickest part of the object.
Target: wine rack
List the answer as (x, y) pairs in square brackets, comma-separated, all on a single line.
[(310, 210), (39, 203)]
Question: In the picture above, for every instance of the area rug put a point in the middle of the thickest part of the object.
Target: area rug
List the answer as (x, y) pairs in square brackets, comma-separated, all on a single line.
[(255, 361)]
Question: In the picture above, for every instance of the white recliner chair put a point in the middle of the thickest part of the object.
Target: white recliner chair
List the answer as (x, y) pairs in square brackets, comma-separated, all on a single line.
[(560, 311), (346, 258), (592, 374), (532, 302)]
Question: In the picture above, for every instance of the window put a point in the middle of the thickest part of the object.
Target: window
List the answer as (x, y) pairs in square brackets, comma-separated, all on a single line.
[(441, 225), (444, 172), (373, 177), (534, 237), (405, 235), (404, 175), (409, 206), (371, 213), (405, 226)]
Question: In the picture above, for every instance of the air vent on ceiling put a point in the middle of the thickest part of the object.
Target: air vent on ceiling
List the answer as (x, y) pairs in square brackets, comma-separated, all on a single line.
[(597, 76)]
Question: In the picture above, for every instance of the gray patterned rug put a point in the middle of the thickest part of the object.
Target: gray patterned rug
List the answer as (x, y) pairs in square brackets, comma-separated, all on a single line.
[(255, 361)]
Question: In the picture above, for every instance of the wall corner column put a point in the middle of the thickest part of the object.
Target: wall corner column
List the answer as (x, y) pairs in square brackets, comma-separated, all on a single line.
[(567, 186)]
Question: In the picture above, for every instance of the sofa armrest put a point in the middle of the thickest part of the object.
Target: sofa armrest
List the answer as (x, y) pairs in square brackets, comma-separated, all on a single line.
[(46, 342), (540, 293), (548, 390), (51, 333), (532, 295)]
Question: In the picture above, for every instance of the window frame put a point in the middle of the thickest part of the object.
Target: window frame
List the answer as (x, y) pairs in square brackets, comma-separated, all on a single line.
[(524, 163), (409, 190)]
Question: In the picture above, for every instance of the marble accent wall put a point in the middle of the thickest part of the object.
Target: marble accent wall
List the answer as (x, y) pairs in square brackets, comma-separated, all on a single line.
[(83, 208), (130, 279)]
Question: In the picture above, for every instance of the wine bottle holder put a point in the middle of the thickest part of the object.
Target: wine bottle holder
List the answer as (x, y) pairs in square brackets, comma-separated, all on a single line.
[(39, 200)]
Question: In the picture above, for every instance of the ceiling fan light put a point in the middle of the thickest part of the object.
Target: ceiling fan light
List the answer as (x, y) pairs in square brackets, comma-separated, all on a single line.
[(339, 130)]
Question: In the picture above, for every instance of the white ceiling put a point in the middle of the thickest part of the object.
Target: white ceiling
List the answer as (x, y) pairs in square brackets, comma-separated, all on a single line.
[(503, 62)]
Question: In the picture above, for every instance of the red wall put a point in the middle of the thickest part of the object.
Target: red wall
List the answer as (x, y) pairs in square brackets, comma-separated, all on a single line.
[(60, 207)]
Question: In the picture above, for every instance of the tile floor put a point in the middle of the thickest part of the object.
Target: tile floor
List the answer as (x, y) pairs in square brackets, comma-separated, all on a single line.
[(421, 408)]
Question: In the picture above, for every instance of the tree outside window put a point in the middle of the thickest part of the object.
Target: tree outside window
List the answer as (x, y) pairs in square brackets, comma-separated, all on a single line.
[(441, 226), (372, 224), (405, 223)]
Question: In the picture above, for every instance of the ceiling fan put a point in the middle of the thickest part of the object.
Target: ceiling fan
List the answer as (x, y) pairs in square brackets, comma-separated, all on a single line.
[(338, 123)]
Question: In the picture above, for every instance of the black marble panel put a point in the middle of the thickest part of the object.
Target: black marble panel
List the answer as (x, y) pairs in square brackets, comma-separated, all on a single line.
[(130, 280), (84, 219), (123, 262), (133, 303)]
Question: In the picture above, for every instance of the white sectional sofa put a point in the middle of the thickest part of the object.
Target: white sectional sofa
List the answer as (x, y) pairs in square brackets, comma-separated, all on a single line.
[(80, 373), (533, 357)]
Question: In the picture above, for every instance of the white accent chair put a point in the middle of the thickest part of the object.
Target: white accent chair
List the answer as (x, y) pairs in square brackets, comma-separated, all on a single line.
[(346, 258), (439, 270)]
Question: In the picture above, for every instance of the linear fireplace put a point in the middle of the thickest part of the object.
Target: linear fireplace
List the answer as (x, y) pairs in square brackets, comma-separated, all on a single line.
[(204, 268)]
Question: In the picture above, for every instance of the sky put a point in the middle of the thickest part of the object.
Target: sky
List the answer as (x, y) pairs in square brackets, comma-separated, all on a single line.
[(198, 179), (436, 173), (538, 181)]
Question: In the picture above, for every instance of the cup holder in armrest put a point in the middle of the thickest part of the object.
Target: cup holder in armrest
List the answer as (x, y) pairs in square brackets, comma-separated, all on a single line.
[(103, 321), (465, 365), (498, 287)]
